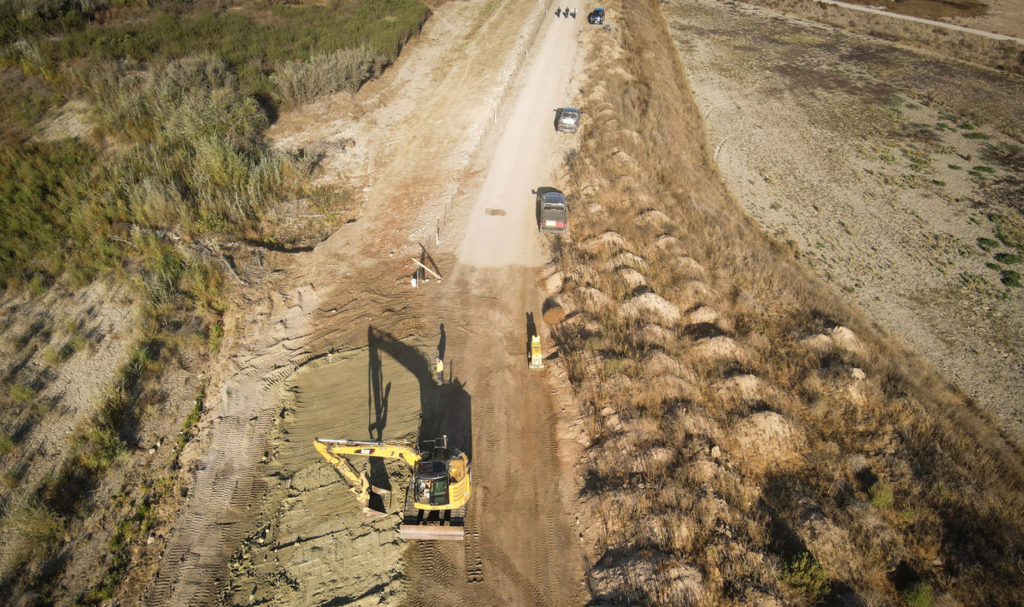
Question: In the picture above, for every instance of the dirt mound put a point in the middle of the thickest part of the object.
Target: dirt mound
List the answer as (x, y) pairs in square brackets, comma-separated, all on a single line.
[(553, 311), (688, 267), (627, 260), (677, 583), (654, 218), (659, 363), (608, 241), (664, 387), (651, 307), (719, 349), (593, 300), (670, 244), (829, 543), (692, 294), (631, 278), (653, 336), (838, 338), (765, 441)]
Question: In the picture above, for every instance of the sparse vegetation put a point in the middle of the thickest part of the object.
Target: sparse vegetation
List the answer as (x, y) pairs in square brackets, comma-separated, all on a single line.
[(30, 532), (786, 450), (163, 164)]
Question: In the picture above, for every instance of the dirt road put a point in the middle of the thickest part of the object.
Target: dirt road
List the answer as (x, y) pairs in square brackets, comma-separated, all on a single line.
[(461, 127), (520, 546)]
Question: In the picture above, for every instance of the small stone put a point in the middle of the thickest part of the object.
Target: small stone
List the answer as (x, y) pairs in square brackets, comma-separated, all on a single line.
[(716, 452)]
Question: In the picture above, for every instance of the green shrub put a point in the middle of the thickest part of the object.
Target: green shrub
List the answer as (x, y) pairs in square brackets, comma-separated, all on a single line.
[(1009, 258), (1011, 278), (955, 167), (6, 444), (345, 70), (30, 531), (983, 169), (881, 495), (919, 595), (806, 575), (987, 244), (41, 185), (20, 392), (975, 135)]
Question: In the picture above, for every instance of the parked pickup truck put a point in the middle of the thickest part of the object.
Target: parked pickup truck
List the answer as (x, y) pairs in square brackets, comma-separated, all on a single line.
[(552, 214), (567, 120), (596, 16)]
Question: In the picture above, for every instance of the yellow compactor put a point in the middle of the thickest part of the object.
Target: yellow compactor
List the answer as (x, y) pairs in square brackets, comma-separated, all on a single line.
[(435, 504)]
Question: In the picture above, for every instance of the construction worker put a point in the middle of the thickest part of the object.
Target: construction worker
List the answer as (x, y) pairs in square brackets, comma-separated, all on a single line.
[(439, 369)]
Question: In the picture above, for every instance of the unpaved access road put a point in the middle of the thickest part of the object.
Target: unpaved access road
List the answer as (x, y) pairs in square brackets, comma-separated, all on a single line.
[(455, 136)]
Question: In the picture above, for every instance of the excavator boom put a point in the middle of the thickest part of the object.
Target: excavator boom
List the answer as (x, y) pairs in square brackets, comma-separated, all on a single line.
[(388, 450)]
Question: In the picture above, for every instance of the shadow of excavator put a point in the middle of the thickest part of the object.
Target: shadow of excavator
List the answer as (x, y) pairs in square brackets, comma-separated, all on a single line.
[(445, 410)]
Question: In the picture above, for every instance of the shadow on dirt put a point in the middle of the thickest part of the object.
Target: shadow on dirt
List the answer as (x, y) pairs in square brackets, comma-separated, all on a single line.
[(445, 410)]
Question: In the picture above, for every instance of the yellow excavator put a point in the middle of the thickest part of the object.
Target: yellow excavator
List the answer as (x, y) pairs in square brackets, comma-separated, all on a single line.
[(435, 504)]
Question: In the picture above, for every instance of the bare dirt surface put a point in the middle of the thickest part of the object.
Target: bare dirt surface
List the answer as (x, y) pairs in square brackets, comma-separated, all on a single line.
[(881, 167), (460, 126)]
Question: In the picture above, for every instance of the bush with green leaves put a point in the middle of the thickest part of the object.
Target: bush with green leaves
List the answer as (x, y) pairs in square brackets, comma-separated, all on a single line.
[(28, 531), (919, 595), (345, 70), (805, 574), (881, 495)]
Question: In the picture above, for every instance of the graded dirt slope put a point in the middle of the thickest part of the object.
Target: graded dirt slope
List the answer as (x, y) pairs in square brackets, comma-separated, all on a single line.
[(313, 546)]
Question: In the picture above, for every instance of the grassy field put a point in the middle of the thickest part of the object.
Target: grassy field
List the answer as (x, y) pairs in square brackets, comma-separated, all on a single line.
[(752, 439), (132, 150)]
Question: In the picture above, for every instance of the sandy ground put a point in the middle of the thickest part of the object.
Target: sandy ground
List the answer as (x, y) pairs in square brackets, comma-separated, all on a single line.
[(462, 124), (838, 144)]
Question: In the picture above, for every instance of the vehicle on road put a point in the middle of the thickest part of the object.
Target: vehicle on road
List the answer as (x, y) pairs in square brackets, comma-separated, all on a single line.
[(435, 504), (567, 120), (552, 212), (596, 16)]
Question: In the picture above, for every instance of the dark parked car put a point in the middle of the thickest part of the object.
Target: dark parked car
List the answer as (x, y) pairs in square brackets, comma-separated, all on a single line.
[(596, 16), (553, 215), (567, 120)]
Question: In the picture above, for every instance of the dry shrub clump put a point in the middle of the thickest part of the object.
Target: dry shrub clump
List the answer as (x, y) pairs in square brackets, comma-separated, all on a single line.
[(750, 438)]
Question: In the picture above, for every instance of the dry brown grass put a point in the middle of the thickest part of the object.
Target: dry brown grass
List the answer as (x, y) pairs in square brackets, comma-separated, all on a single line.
[(747, 430)]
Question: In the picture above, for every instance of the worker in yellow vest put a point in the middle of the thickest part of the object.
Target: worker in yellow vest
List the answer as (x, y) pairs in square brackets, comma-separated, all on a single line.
[(439, 369)]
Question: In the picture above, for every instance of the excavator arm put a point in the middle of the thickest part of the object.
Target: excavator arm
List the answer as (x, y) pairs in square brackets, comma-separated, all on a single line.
[(359, 483), (332, 448)]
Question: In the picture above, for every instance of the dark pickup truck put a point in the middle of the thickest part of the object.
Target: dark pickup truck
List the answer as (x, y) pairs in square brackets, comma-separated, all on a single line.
[(552, 213), (596, 16), (567, 120)]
